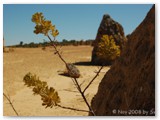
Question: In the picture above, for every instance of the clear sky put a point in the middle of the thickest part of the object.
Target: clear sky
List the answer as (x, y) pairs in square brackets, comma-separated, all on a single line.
[(74, 21)]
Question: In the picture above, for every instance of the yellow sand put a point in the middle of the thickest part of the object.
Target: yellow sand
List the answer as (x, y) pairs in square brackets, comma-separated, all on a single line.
[(45, 64)]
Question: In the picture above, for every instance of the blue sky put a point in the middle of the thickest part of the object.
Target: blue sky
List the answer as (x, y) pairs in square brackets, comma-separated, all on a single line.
[(74, 21)]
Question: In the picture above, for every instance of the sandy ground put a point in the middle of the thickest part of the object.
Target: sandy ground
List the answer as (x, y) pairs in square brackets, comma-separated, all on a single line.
[(46, 65)]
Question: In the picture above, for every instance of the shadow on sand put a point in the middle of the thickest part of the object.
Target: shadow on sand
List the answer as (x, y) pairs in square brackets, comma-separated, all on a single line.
[(84, 63), (64, 74)]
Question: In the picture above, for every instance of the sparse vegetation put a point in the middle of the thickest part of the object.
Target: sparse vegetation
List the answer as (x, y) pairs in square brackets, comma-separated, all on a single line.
[(107, 49)]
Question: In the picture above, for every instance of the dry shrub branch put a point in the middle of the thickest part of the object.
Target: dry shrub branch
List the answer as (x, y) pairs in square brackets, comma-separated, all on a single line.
[(49, 95), (9, 100)]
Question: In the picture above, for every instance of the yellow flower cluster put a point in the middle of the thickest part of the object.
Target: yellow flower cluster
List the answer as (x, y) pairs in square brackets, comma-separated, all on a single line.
[(43, 26), (49, 96), (107, 49)]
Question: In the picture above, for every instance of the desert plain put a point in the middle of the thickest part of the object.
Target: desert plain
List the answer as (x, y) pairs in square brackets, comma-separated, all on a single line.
[(48, 66)]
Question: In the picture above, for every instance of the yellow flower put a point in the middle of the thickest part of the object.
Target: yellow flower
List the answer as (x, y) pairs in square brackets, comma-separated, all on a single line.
[(38, 29), (46, 27), (55, 33), (52, 27), (37, 18), (43, 26)]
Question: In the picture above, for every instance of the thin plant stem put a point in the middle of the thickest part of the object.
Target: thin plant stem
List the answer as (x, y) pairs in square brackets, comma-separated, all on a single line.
[(10, 103), (57, 52), (76, 82), (84, 98), (64, 107), (93, 79)]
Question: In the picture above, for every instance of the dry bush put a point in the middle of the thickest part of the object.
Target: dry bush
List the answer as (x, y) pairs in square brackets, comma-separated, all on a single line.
[(107, 49)]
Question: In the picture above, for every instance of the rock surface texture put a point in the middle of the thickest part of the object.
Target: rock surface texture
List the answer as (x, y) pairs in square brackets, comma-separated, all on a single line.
[(107, 27), (128, 88)]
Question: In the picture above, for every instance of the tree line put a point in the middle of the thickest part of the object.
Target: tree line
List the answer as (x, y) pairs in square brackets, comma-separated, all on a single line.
[(64, 42)]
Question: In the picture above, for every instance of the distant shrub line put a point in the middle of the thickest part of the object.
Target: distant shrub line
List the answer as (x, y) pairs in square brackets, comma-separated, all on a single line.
[(64, 42)]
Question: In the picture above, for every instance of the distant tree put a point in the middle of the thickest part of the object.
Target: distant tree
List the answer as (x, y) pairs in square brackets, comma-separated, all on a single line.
[(32, 45), (21, 43), (81, 42), (72, 42), (25, 45), (64, 41)]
